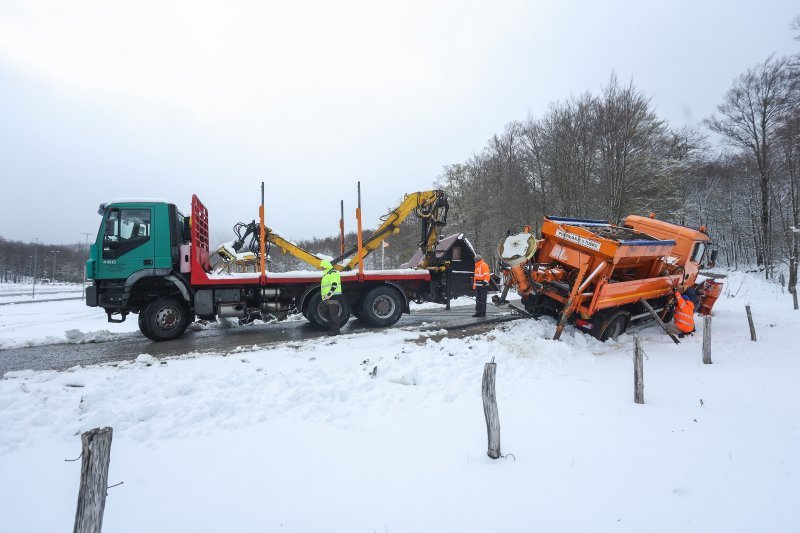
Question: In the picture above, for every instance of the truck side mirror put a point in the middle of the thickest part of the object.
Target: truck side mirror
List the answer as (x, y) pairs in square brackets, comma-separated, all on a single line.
[(187, 229)]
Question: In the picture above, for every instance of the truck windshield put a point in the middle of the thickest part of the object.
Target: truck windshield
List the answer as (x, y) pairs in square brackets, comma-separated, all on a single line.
[(698, 251)]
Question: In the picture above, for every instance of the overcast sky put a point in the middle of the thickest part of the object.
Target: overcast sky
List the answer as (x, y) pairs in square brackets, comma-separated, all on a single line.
[(102, 99)]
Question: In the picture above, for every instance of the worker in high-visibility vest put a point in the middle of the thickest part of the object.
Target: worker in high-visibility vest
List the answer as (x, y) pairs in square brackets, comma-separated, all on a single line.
[(331, 290), (480, 283), (683, 320)]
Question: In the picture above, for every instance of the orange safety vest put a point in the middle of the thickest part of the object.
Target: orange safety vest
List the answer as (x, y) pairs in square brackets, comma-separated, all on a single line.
[(684, 314), (481, 273)]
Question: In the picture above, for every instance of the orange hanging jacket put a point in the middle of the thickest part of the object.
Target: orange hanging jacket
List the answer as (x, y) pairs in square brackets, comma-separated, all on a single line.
[(684, 314), (481, 273)]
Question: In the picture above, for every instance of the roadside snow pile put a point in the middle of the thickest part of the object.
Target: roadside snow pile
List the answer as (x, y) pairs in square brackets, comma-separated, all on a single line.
[(71, 321), (76, 336), (385, 432)]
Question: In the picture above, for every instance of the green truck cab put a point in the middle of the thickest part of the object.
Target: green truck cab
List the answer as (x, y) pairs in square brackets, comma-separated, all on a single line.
[(134, 266)]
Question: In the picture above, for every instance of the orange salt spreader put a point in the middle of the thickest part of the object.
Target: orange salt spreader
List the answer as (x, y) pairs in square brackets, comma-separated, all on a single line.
[(604, 277)]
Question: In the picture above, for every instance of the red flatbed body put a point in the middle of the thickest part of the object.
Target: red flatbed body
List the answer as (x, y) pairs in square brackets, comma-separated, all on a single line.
[(201, 252)]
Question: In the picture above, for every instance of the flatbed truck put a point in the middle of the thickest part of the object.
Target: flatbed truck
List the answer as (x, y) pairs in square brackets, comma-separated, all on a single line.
[(151, 260)]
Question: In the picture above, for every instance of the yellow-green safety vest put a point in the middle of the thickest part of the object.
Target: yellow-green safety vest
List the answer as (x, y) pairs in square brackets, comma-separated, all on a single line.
[(330, 278)]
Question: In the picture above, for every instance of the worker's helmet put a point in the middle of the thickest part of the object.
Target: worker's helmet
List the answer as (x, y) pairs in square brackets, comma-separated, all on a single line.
[(478, 257), (691, 295), (325, 264)]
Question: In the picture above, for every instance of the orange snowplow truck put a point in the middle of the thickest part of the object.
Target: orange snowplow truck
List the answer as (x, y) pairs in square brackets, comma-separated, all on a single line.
[(601, 277)]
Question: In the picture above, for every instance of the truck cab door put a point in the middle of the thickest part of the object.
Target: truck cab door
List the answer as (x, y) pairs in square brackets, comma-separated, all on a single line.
[(127, 244)]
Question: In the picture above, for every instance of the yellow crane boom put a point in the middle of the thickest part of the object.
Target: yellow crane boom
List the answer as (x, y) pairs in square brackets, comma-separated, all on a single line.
[(429, 206)]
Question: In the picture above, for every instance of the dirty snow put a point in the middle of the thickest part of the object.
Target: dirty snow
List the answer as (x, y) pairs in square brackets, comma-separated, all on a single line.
[(385, 432), (56, 322)]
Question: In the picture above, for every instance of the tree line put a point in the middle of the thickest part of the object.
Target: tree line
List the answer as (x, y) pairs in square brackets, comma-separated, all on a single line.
[(52, 262)]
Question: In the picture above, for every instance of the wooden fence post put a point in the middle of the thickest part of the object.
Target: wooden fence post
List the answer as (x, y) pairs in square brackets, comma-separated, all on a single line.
[(96, 455), (490, 409), (638, 371), (707, 340), (750, 321)]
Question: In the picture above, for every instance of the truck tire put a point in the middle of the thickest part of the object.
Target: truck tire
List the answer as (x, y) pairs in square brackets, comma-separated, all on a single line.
[(321, 322), (143, 324), (355, 309), (381, 307), (164, 319), (611, 326)]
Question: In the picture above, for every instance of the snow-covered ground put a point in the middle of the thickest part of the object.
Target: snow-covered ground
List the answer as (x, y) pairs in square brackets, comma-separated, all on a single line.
[(53, 322), (385, 432)]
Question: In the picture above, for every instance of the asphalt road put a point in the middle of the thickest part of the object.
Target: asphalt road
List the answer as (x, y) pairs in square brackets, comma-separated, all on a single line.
[(223, 340)]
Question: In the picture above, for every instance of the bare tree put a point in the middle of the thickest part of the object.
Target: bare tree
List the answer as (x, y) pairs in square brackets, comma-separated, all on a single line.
[(751, 113), (789, 146), (629, 131)]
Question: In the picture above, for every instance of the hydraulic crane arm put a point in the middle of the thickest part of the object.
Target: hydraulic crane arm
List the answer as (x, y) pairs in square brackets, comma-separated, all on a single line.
[(252, 231), (429, 206), (289, 247)]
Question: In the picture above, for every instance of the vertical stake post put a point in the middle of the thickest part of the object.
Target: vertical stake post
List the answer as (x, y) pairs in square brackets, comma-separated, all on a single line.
[(35, 257), (360, 238), (750, 322), (638, 371), (341, 227), (490, 409), (262, 233), (95, 457), (707, 340)]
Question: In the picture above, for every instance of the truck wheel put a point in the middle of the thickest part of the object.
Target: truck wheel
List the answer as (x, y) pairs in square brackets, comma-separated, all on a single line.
[(355, 309), (164, 319), (612, 326), (381, 306), (143, 324), (320, 321)]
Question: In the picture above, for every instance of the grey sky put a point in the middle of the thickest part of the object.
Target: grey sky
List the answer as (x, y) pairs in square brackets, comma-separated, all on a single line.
[(152, 98)]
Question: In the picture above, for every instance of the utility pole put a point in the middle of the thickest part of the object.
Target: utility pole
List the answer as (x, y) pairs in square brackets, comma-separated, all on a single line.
[(54, 252), (35, 254), (85, 260)]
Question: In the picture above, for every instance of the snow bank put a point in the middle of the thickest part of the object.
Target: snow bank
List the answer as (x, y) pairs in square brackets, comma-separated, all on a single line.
[(57, 322)]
